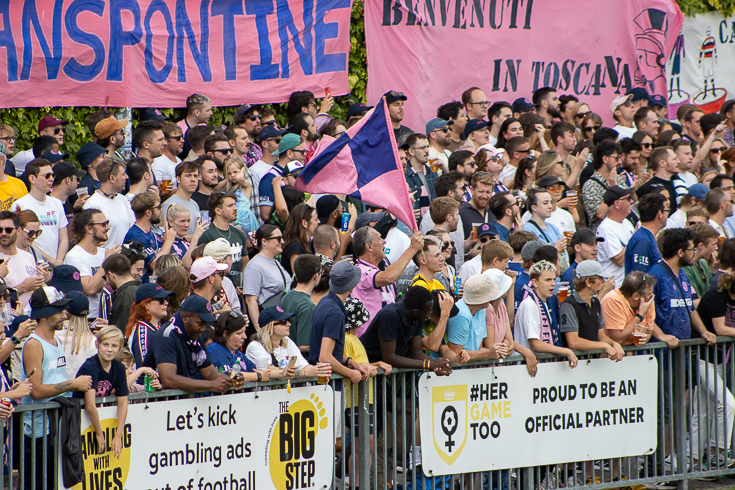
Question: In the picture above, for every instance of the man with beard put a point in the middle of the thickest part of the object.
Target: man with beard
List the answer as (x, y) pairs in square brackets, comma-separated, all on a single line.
[(684, 178), (44, 353), (209, 180), (631, 151), (218, 148), (504, 207), (547, 104), (396, 111), (302, 124), (454, 112), (187, 180), (150, 140), (289, 149), (664, 164), (110, 134), (249, 118), (437, 131), (164, 166), (476, 209), (269, 138), (147, 209), (22, 272), (90, 229), (223, 208), (113, 205)]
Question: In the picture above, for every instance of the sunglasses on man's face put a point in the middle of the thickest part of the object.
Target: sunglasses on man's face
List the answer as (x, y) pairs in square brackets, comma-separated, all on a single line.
[(255, 117), (177, 138), (224, 151), (59, 130), (7, 231)]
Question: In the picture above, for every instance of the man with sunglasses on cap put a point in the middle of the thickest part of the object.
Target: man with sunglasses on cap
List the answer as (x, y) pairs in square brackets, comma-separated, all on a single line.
[(181, 360), (289, 149), (44, 364), (584, 242), (622, 110), (52, 239), (47, 126), (615, 232)]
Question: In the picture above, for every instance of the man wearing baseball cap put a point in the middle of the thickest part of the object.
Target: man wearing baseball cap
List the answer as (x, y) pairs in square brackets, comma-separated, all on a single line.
[(66, 180), (47, 126), (522, 105), (291, 148), (622, 110), (180, 358), (43, 356), (396, 112), (580, 315), (110, 133), (476, 133), (206, 277), (660, 107), (268, 138), (223, 253), (616, 231), (438, 130), (327, 340), (584, 242)]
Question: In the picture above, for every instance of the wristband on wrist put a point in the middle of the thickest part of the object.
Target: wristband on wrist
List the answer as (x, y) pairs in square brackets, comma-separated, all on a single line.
[(639, 316), (347, 362)]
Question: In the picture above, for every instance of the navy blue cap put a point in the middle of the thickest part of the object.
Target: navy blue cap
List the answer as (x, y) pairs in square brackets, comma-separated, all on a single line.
[(698, 190), (658, 100), (393, 96), (47, 301), (325, 205), (66, 278), (151, 290), (357, 109), (522, 104), (88, 153), (269, 131), (244, 109), (79, 304), (152, 115), (199, 305), (54, 156), (272, 314), (487, 229), (16, 323), (638, 93), (473, 125)]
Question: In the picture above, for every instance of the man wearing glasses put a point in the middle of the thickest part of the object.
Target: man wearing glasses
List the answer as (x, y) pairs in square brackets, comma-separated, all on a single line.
[(218, 148), (437, 131), (623, 112), (164, 166), (616, 231), (48, 126), (52, 239), (110, 134), (291, 148), (249, 118), (607, 159), (269, 138), (475, 103)]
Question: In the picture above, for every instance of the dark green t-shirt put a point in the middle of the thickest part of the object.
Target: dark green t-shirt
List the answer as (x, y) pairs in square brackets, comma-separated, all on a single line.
[(236, 238), (301, 306)]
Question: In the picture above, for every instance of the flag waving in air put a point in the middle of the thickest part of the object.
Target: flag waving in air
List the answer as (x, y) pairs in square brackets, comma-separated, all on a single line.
[(363, 163)]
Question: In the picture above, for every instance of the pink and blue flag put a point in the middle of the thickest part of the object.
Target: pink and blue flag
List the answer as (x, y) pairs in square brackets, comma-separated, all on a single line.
[(363, 163)]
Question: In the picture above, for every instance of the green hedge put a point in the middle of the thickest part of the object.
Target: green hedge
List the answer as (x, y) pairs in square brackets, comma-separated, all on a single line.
[(25, 120)]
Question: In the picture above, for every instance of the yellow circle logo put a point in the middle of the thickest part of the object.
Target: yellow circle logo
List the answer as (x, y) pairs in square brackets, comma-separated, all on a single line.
[(291, 455), (105, 470)]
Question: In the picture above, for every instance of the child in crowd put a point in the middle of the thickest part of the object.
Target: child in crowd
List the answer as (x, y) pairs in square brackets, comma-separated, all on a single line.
[(132, 375)]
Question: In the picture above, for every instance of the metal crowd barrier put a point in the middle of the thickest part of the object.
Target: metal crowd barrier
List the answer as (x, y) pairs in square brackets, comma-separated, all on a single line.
[(698, 380)]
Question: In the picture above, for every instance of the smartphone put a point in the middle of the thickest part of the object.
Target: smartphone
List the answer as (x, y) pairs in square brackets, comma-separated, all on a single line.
[(31, 374), (205, 216), (291, 362), (328, 92)]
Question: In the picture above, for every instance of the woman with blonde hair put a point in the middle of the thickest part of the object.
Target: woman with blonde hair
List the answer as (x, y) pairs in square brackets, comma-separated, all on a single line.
[(272, 348), (30, 229), (179, 218), (148, 310), (240, 185), (177, 280), (578, 112), (77, 338), (166, 262), (549, 163)]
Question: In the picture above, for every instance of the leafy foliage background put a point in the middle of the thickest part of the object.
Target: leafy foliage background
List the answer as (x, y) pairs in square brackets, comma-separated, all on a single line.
[(25, 120)]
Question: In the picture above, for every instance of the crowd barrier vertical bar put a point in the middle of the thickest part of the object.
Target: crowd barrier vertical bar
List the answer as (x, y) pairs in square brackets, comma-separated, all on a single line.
[(680, 413), (363, 423)]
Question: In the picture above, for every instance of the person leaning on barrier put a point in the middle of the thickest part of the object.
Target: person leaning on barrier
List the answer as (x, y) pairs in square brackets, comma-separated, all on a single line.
[(580, 315), (227, 340), (179, 357)]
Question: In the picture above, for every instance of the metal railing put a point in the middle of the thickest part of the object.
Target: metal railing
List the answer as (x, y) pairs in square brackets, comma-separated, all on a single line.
[(695, 425)]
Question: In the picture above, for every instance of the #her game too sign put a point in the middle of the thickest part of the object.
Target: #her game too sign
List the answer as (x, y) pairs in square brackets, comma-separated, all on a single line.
[(269, 440), (469, 419)]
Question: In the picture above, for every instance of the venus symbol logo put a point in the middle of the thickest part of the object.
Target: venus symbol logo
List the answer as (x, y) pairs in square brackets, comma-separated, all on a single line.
[(449, 418)]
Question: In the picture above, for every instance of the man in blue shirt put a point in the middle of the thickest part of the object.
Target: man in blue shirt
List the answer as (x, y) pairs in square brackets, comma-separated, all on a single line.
[(147, 209), (642, 252), (289, 149), (504, 206), (327, 340), (584, 242)]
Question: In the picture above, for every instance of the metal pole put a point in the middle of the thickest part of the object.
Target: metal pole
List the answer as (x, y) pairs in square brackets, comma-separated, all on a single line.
[(680, 413)]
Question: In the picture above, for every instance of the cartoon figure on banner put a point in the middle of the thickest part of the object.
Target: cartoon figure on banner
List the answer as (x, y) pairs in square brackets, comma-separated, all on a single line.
[(678, 53), (649, 44), (707, 60)]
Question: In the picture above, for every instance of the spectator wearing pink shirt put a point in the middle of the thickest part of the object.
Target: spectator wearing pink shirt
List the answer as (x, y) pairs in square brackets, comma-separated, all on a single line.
[(376, 288)]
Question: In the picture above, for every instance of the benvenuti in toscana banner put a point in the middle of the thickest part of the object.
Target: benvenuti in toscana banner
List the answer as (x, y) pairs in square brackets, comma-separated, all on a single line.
[(432, 50), (155, 53)]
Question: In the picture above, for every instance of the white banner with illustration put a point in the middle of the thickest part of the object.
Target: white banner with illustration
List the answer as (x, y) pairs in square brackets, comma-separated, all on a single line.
[(701, 66), (597, 410), (269, 440)]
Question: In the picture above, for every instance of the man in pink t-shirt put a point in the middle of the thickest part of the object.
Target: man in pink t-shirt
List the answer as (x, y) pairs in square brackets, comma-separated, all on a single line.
[(376, 288)]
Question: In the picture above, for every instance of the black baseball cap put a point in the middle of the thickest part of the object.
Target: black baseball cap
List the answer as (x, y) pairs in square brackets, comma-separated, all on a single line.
[(325, 206), (268, 132), (585, 235), (522, 104), (64, 169), (392, 96), (47, 301), (152, 115), (615, 192), (487, 229), (273, 314), (548, 181), (54, 156), (78, 304), (436, 309), (638, 93), (66, 278), (473, 125), (358, 108), (199, 305)]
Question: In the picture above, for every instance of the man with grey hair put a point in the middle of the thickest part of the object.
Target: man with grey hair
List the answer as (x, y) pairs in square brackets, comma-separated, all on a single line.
[(376, 288), (719, 207)]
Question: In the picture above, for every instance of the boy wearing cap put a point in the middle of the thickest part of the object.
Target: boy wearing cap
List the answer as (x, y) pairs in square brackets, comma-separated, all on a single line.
[(54, 241), (47, 126), (584, 243), (327, 339), (180, 358), (580, 315), (221, 251), (90, 156), (290, 149), (43, 355)]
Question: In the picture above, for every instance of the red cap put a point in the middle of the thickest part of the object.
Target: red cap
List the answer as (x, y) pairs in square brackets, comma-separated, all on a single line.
[(49, 121)]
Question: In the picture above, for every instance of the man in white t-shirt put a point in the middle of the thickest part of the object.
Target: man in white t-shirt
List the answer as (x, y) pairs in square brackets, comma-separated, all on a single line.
[(622, 111), (18, 267), (54, 239), (90, 228), (113, 205), (164, 166), (269, 138), (616, 230)]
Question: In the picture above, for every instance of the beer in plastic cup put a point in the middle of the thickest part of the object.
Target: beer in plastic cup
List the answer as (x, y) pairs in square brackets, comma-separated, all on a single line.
[(568, 235), (563, 291), (475, 226), (721, 239), (82, 191), (640, 333), (165, 185)]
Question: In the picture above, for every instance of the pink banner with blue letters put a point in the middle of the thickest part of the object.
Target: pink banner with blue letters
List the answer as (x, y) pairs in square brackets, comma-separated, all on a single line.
[(155, 53), (432, 50)]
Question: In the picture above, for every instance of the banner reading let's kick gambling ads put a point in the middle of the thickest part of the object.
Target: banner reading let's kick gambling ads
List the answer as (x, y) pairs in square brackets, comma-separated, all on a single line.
[(269, 440), (598, 410)]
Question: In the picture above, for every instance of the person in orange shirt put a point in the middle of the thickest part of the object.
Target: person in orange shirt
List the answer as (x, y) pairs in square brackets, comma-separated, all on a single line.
[(631, 304)]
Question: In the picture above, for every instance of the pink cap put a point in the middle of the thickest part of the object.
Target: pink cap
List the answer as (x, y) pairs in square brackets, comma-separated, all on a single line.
[(617, 102), (205, 267)]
